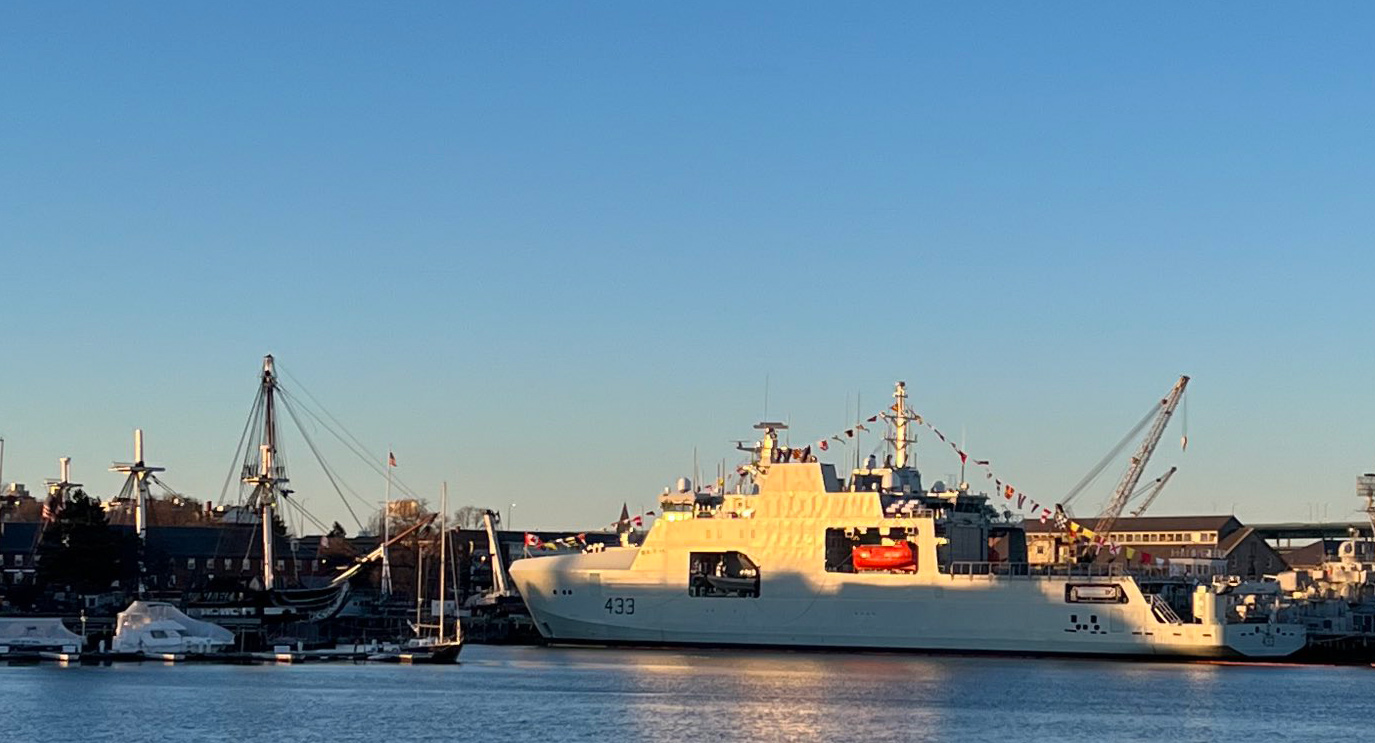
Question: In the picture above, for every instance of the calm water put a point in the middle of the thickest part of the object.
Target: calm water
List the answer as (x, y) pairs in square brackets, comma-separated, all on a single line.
[(541, 694)]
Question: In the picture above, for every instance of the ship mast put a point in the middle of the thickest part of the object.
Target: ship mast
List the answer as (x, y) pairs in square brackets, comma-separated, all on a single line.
[(1365, 488), (900, 426), (267, 477), (136, 486)]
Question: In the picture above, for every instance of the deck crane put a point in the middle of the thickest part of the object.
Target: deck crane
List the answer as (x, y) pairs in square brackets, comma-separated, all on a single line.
[(1132, 476), (1155, 490)]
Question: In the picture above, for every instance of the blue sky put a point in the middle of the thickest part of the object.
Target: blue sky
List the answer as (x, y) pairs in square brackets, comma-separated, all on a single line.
[(543, 251)]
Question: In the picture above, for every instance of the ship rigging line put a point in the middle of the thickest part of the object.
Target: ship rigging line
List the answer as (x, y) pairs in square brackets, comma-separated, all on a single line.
[(247, 426), (352, 442), (290, 402), (1110, 457), (306, 515), (329, 474)]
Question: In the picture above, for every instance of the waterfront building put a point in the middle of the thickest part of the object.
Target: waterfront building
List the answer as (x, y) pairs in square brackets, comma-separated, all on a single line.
[(1196, 545)]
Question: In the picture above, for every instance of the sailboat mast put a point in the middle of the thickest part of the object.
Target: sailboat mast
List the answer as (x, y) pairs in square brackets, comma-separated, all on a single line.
[(443, 554), (419, 580), (386, 529)]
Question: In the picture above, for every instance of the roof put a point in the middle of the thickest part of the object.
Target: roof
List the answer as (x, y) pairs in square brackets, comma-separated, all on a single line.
[(179, 541), (1312, 555), (225, 541), (1221, 524), (1229, 542)]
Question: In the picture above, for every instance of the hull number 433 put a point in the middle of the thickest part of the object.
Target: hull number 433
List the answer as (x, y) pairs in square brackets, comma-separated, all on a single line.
[(619, 605)]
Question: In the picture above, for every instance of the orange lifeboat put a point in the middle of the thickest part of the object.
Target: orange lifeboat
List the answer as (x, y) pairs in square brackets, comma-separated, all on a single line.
[(885, 557)]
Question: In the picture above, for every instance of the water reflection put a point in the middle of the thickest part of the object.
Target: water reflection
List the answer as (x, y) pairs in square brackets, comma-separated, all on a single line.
[(788, 696), (550, 694)]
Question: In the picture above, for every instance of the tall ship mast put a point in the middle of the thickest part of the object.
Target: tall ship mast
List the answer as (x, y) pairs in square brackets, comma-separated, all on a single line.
[(264, 474), (266, 600), (799, 556)]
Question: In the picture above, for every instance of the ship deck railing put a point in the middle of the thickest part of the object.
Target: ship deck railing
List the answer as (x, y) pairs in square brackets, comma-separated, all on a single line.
[(1030, 571)]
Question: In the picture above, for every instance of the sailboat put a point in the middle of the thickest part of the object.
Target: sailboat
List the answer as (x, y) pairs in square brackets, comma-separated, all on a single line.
[(428, 648)]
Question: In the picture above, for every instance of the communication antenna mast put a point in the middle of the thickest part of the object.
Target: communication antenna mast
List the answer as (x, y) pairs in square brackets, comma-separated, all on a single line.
[(900, 416)]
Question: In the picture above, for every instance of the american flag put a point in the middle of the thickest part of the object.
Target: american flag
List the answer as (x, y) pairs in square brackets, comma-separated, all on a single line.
[(391, 459), (50, 508)]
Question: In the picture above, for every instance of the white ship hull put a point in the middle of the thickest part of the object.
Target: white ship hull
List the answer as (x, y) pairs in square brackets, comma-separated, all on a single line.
[(798, 557), (585, 599)]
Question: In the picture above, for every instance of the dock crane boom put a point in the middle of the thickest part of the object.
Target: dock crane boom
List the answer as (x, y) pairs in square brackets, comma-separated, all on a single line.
[(1155, 490), (1132, 476)]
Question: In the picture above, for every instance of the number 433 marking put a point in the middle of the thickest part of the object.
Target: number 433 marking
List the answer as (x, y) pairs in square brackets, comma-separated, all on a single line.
[(619, 605)]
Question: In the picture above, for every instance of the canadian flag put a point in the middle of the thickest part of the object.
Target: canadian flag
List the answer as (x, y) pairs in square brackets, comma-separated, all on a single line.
[(638, 521), (531, 540)]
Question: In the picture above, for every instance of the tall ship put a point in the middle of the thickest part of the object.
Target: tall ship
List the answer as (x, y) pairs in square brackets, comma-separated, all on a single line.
[(266, 600), (801, 557)]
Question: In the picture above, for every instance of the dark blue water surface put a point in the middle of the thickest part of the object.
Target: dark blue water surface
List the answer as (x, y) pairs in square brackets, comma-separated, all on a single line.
[(544, 694)]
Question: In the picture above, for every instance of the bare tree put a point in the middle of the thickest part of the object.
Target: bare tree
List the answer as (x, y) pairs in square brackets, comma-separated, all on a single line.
[(403, 515), (468, 517)]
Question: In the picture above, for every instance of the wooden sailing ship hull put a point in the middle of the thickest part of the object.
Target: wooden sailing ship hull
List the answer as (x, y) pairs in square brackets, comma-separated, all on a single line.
[(249, 607)]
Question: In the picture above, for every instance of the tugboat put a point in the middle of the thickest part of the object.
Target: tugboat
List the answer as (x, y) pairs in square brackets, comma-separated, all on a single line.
[(799, 556)]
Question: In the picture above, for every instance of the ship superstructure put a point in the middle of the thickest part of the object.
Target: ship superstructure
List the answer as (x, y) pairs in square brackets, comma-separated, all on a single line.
[(801, 557)]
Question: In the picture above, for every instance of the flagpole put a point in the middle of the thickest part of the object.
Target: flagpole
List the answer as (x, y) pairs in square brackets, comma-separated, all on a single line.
[(858, 407), (963, 456)]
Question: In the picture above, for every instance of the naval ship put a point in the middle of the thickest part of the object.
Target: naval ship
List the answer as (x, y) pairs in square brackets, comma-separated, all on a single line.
[(800, 557)]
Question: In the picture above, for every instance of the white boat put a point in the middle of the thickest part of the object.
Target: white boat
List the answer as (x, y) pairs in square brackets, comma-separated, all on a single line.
[(158, 630), (45, 637), (800, 557)]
